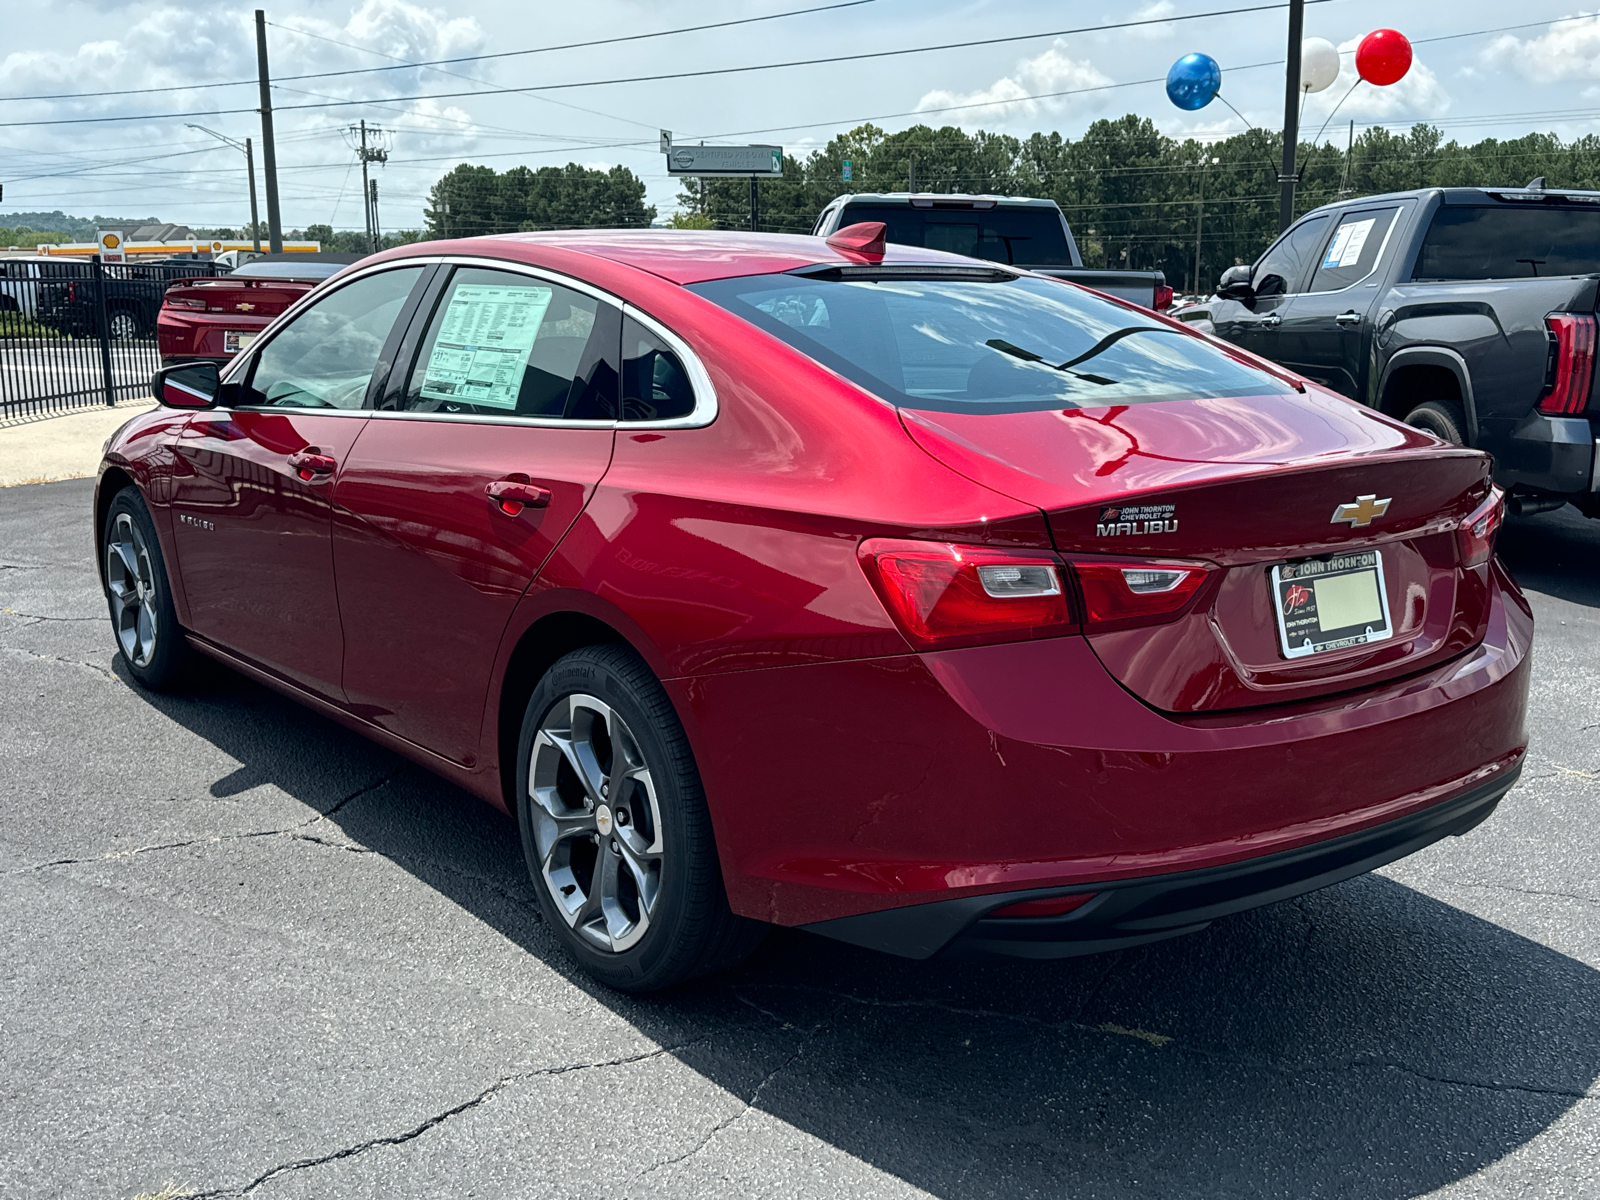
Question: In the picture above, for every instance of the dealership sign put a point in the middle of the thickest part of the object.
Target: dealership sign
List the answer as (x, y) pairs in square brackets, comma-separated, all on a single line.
[(722, 160)]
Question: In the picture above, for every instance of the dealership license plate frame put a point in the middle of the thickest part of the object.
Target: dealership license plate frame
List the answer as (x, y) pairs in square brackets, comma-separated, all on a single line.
[(1305, 573), (236, 341)]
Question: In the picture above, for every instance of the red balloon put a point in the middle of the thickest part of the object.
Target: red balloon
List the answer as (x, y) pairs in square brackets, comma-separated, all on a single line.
[(1383, 57)]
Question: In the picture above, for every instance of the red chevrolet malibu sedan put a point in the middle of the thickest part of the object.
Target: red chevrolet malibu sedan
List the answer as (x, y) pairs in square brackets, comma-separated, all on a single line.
[(917, 601)]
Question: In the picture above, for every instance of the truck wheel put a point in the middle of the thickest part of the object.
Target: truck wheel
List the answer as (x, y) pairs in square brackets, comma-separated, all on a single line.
[(615, 828), (124, 326), (1442, 418)]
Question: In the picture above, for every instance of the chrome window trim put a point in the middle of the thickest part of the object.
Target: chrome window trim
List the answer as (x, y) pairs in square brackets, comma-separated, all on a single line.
[(705, 393)]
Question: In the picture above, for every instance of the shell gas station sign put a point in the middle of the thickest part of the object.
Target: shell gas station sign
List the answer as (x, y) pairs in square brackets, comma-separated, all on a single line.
[(109, 245)]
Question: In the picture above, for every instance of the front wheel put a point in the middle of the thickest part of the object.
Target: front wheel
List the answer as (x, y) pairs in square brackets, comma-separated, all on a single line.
[(615, 828), (142, 616)]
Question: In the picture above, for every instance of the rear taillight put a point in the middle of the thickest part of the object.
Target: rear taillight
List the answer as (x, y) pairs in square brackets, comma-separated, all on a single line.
[(1163, 299), (1122, 593), (943, 595), (72, 291), (1571, 364), (1476, 533), (179, 302)]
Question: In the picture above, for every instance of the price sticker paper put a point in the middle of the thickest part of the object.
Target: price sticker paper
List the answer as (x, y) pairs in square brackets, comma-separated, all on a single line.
[(482, 349)]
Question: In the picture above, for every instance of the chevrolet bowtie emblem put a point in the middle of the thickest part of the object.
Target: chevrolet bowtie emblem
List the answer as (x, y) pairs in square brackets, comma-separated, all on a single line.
[(245, 307), (1361, 512)]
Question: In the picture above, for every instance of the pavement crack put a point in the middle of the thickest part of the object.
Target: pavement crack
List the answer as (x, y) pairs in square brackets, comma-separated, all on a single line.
[(755, 1096), (433, 1122), (1506, 887), (71, 662), (36, 617)]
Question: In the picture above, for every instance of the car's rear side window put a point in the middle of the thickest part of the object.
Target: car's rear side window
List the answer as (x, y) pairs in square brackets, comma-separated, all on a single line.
[(505, 344), (1510, 241), (973, 345), (1027, 237)]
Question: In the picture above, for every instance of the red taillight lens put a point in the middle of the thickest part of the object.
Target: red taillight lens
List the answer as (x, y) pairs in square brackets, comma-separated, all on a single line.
[(1567, 382), (1476, 533), (943, 595), (180, 302), (1121, 593), (1163, 298), (1049, 906), (72, 292)]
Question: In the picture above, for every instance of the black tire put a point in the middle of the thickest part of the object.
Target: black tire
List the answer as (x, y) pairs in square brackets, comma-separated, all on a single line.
[(1442, 418), (660, 820), (143, 621), (124, 325)]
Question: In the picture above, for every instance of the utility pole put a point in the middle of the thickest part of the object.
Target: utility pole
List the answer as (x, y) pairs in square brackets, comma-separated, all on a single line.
[(1349, 153), (369, 187), (1291, 115), (755, 204), (911, 171), (269, 154), (250, 169), (1199, 220)]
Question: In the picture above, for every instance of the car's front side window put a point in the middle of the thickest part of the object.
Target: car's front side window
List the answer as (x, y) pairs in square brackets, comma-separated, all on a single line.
[(326, 356), (505, 344), (1280, 267)]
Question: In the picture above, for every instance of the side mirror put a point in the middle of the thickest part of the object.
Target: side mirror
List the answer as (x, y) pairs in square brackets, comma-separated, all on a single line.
[(187, 385), (1235, 283)]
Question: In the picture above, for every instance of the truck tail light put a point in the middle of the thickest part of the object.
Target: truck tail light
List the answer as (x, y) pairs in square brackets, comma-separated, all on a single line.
[(1570, 367), (1123, 593), (943, 595), (1163, 298), (1476, 533), (72, 291)]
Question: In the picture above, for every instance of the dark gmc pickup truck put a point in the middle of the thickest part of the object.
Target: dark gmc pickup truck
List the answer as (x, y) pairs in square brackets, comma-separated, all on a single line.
[(1469, 312), (1016, 230)]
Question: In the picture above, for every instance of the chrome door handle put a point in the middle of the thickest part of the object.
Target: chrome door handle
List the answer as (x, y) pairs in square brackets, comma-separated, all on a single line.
[(511, 496), (1272, 320), (1348, 318), (308, 464)]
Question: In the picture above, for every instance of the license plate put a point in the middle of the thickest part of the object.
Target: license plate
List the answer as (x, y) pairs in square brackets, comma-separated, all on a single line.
[(1330, 603), (234, 341)]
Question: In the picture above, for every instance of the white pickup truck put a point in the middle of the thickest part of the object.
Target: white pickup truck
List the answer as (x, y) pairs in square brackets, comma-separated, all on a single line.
[(1016, 230)]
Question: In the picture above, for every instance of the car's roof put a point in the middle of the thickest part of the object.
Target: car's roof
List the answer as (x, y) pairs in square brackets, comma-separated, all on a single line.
[(680, 255), (936, 199)]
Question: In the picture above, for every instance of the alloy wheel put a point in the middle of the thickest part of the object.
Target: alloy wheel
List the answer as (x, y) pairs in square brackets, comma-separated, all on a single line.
[(124, 327), (597, 822), (131, 582)]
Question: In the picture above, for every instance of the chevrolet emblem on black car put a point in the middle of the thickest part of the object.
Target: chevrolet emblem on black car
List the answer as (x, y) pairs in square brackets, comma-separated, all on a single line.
[(1361, 512)]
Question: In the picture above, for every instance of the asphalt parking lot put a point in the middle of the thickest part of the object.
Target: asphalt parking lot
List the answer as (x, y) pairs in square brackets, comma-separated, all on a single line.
[(250, 953)]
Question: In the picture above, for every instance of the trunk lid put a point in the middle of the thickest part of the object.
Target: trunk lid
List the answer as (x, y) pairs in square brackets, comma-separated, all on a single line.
[(1244, 483), (257, 298)]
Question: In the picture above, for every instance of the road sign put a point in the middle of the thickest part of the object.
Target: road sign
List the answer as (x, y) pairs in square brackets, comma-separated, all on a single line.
[(725, 160)]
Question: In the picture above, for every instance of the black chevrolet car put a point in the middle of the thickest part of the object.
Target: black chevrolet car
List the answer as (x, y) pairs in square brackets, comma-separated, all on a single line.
[(1469, 312)]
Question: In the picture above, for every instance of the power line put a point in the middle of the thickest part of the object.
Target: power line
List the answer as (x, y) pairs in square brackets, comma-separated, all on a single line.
[(700, 74)]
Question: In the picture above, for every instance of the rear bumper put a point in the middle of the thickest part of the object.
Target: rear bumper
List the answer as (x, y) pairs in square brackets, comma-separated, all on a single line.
[(1131, 912), (1558, 455)]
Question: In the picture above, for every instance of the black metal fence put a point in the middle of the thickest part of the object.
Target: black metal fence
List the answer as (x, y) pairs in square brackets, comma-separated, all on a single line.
[(80, 333)]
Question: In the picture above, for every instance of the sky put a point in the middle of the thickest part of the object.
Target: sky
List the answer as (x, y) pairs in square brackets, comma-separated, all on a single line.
[(1543, 75)]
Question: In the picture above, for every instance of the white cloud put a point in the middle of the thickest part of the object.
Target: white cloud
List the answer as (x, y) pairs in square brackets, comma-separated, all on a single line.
[(1566, 49), (1052, 71), (1418, 97), (1161, 8)]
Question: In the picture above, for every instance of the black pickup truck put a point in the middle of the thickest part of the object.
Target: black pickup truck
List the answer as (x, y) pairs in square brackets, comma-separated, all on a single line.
[(69, 295), (1019, 231), (1469, 312)]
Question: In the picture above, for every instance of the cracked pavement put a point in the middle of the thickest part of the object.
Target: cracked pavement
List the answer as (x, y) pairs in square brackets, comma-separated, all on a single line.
[(255, 955)]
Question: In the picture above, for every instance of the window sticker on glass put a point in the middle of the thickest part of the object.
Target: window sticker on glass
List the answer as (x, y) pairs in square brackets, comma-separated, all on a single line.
[(1345, 249), (483, 344)]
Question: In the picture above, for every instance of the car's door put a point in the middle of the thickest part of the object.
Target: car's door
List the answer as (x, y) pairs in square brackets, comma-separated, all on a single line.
[(1277, 276), (1323, 330), (252, 491), (489, 440)]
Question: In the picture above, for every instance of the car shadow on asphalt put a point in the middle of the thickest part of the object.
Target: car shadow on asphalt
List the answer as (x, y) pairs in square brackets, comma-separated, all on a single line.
[(1367, 1040), (1556, 553)]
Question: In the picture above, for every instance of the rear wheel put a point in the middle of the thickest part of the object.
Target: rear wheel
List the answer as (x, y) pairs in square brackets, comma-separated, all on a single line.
[(615, 828), (142, 617), (124, 326), (1442, 418)]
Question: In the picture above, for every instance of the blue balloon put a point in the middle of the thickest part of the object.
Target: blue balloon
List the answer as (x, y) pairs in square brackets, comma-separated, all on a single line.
[(1194, 81)]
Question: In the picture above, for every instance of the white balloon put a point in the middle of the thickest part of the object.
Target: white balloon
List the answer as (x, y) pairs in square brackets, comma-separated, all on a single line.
[(1319, 64)]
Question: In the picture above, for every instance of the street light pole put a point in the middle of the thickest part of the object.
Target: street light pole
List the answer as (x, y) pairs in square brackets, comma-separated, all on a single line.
[(248, 151), (1291, 115), (269, 153), (1199, 221)]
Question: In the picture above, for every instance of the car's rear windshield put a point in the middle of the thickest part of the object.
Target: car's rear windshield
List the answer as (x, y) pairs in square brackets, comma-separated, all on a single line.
[(282, 270), (1020, 237), (985, 344), (1510, 241)]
